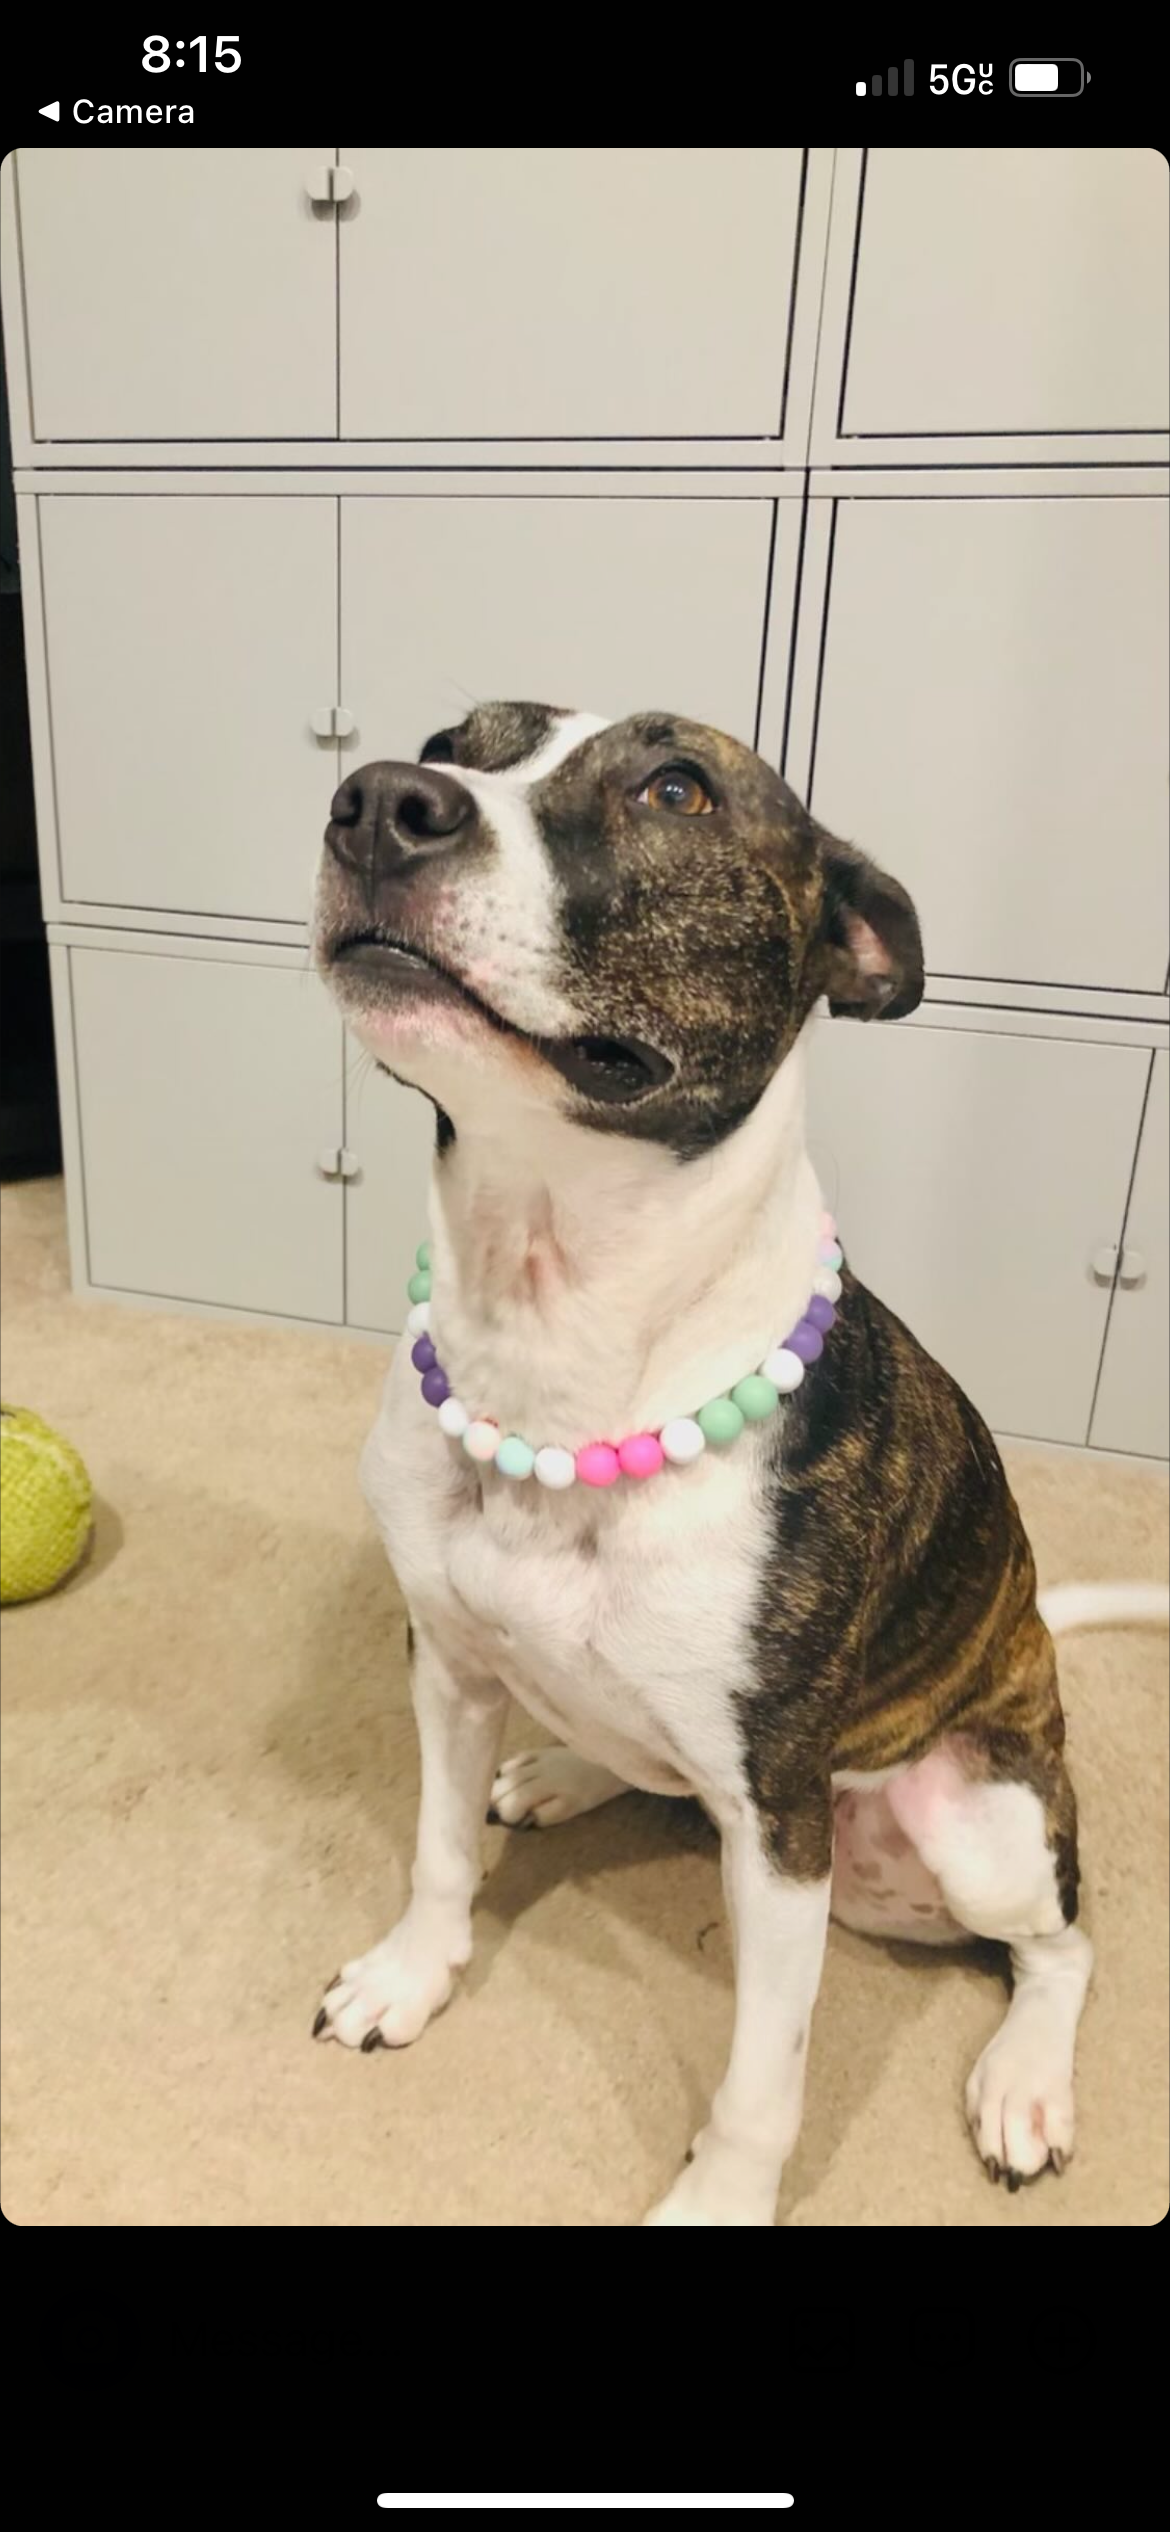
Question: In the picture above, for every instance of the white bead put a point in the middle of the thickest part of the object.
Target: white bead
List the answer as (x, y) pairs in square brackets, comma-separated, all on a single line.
[(418, 1320), (554, 1468), (682, 1439), (454, 1418), (482, 1440), (784, 1370), (827, 1282)]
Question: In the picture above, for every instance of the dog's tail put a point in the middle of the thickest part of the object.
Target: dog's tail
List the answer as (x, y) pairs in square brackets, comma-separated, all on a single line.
[(1070, 1605)]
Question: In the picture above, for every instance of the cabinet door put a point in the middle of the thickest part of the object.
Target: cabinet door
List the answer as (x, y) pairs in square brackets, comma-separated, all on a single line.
[(209, 1091), (1133, 1402), (993, 728), (567, 293), (974, 1177), (178, 294), (189, 642), (610, 606), (390, 1133), (1010, 290)]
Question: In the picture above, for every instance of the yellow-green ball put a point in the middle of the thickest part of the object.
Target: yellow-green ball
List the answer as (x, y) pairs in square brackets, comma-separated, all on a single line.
[(46, 1506)]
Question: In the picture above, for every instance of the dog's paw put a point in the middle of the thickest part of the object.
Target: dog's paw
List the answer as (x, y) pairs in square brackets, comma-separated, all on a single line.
[(1020, 2105), (710, 2192), (384, 1999), (668, 2211), (538, 1788)]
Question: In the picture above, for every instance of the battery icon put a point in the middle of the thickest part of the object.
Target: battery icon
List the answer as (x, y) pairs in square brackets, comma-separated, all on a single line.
[(1060, 78)]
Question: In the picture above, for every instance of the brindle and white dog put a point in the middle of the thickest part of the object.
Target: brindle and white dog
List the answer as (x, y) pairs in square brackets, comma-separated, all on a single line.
[(595, 947)]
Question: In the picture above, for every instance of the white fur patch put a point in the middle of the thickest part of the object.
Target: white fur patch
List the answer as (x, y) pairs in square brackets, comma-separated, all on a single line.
[(500, 929)]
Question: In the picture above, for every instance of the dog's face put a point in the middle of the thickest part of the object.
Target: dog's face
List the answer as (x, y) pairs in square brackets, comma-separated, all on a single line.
[(627, 921)]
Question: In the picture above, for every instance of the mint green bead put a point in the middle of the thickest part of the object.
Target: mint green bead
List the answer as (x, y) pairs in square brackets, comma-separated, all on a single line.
[(755, 1397), (515, 1458), (422, 1255), (720, 1420), (419, 1287)]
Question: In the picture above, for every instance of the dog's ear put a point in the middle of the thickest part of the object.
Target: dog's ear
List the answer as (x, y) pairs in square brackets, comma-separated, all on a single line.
[(872, 945)]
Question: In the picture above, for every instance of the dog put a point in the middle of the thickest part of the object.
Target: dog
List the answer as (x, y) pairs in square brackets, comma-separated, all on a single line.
[(595, 947)]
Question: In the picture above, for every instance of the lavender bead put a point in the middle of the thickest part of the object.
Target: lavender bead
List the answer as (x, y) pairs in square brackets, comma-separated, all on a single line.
[(435, 1385), (806, 1342), (422, 1354), (820, 1313)]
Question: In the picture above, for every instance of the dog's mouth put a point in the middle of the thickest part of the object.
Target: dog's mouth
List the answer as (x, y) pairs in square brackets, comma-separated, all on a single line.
[(615, 1069)]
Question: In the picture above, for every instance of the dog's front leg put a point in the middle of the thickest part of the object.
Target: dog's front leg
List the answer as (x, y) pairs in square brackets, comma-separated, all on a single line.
[(779, 1912), (387, 1997)]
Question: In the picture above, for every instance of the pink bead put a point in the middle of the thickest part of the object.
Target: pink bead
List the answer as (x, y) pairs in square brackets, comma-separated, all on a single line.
[(642, 1455), (597, 1464), (828, 1227)]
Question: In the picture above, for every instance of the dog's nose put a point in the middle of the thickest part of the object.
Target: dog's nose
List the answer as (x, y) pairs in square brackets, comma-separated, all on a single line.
[(386, 817)]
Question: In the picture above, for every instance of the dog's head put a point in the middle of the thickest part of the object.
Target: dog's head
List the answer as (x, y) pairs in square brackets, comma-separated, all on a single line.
[(628, 921)]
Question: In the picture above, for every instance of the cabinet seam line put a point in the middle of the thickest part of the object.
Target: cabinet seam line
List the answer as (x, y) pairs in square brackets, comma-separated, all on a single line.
[(1137, 1146)]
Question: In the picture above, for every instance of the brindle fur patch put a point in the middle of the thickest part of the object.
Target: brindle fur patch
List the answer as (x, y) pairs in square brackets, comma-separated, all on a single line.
[(900, 1603), (709, 937), (493, 737)]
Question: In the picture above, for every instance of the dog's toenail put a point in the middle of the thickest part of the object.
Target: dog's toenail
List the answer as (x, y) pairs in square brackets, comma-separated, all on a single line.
[(334, 1982), (319, 2024), (994, 2172), (373, 2039), (1013, 2181), (1056, 2159), (493, 1818)]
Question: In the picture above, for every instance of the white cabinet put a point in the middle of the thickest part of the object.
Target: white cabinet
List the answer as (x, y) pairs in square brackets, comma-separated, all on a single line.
[(177, 294), (567, 293), (611, 606), (189, 643), (975, 1177), (1132, 1412), (390, 1134), (1010, 290), (993, 727), (210, 1091)]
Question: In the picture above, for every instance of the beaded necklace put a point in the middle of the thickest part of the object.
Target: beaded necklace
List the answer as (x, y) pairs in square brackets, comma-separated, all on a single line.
[(683, 1439)]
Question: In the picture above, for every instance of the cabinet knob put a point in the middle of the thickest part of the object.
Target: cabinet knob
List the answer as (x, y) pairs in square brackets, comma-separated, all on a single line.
[(1132, 1270), (1103, 1265), (332, 721), (330, 184), (336, 1161)]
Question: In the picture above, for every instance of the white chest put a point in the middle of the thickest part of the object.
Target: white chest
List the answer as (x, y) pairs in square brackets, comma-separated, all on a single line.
[(621, 1622)]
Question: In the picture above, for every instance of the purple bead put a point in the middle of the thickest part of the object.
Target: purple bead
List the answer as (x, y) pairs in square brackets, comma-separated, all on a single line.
[(820, 1313), (422, 1353), (435, 1385), (806, 1342)]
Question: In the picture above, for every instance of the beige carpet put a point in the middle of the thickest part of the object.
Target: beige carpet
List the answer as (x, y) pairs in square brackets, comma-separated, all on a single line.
[(208, 1795)]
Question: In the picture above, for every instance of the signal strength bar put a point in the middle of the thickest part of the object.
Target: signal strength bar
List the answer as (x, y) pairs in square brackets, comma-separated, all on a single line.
[(893, 83)]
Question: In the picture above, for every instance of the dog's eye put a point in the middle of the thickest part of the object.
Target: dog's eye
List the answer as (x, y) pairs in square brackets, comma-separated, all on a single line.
[(674, 787), (439, 750)]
